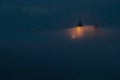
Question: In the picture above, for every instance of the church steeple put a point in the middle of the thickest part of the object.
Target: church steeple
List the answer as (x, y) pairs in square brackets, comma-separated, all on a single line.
[(79, 24)]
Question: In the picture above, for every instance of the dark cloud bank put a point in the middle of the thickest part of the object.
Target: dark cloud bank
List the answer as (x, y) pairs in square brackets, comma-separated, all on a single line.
[(53, 56)]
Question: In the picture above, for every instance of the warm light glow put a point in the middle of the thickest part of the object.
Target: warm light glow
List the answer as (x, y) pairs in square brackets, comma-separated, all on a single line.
[(76, 32), (81, 31)]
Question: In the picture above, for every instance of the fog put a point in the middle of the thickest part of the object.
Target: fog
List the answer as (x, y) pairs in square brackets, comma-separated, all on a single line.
[(57, 55)]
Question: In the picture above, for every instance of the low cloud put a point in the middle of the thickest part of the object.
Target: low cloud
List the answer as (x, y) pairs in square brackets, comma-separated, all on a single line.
[(31, 9)]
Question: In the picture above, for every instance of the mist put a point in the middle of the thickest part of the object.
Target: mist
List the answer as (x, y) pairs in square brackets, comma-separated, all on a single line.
[(55, 55), (39, 40)]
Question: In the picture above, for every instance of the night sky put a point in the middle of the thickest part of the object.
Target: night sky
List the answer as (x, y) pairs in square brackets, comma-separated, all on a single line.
[(37, 40)]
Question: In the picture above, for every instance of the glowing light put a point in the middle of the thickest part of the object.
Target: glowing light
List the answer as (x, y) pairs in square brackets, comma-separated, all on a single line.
[(76, 32), (81, 32)]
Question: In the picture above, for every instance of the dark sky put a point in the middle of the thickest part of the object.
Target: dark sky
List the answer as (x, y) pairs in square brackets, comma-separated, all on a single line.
[(45, 14)]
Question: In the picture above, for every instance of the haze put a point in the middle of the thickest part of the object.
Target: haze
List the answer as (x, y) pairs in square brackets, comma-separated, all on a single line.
[(39, 40)]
